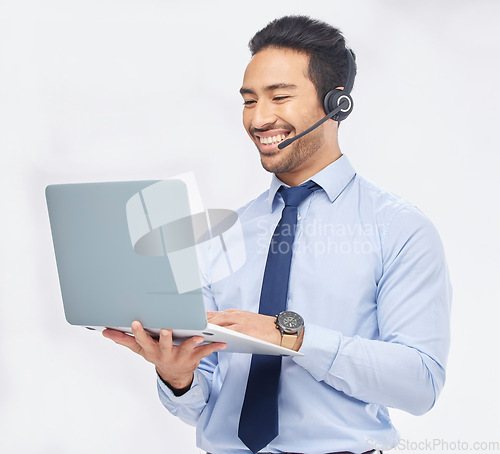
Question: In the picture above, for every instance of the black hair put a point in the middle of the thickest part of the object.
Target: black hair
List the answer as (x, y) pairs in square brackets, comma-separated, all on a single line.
[(324, 44)]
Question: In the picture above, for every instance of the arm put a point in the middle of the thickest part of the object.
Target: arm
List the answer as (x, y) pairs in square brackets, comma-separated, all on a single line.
[(405, 367)]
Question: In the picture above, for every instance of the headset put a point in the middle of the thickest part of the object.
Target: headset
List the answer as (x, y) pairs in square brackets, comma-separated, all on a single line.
[(337, 103)]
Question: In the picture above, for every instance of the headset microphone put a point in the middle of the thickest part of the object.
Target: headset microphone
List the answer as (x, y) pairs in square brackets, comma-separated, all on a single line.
[(337, 103), (344, 106)]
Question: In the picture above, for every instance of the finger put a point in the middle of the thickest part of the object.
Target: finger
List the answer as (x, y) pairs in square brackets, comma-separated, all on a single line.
[(187, 347), (122, 339), (109, 333), (212, 314), (116, 335), (166, 341), (148, 344), (228, 318), (205, 350)]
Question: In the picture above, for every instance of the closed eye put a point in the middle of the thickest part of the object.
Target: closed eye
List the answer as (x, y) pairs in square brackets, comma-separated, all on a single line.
[(280, 98), (248, 102)]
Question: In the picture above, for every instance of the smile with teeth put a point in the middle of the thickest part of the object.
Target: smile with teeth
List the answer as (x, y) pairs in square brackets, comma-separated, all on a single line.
[(274, 139)]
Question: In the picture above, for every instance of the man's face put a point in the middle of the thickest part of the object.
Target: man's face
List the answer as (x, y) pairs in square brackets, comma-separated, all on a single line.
[(280, 101)]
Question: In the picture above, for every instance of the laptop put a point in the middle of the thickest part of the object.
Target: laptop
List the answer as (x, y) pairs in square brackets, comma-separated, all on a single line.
[(129, 251)]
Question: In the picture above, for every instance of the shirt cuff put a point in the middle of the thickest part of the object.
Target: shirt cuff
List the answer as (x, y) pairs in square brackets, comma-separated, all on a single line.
[(320, 347), (196, 392)]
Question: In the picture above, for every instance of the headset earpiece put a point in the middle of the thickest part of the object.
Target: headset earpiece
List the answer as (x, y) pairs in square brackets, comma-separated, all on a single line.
[(333, 99), (338, 96)]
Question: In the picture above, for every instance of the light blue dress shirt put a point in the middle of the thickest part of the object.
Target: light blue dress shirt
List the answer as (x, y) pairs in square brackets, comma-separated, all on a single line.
[(370, 279)]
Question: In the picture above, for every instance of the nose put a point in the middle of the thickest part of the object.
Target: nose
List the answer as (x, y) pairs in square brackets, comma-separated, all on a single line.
[(263, 115)]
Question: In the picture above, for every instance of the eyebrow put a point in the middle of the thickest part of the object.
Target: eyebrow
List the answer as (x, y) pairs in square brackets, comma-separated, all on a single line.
[(272, 87)]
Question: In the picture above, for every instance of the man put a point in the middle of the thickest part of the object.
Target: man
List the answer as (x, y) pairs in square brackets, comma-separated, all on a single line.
[(368, 276)]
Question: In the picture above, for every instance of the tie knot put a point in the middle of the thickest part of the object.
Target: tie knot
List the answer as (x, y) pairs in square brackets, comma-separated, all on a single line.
[(296, 194)]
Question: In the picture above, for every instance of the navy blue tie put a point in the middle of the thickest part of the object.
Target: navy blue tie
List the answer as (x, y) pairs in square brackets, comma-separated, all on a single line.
[(259, 415)]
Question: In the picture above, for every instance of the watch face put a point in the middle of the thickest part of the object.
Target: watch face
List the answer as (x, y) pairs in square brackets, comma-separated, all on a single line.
[(290, 322)]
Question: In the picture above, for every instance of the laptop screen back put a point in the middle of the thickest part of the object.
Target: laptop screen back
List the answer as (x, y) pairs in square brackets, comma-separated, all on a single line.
[(104, 281)]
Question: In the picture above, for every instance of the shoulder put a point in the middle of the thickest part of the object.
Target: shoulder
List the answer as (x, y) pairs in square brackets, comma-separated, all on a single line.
[(398, 220), (381, 199), (387, 205)]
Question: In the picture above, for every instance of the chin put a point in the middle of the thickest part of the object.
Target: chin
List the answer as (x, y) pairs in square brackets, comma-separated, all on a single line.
[(277, 166), (272, 162)]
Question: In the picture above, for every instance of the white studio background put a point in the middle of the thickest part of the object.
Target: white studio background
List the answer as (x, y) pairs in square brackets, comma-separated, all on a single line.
[(103, 90)]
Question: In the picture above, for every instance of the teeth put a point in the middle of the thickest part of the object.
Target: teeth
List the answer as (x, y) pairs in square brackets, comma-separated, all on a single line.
[(273, 139)]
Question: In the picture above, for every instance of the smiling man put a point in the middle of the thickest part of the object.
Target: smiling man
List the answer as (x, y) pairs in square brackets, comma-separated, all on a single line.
[(275, 109), (349, 275)]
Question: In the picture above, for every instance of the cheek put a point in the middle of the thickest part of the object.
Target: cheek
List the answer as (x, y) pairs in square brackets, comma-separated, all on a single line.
[(299, 115), (247, 121), (310, 116)]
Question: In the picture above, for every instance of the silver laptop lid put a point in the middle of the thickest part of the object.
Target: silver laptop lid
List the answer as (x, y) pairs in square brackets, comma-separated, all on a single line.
[(104, 281)]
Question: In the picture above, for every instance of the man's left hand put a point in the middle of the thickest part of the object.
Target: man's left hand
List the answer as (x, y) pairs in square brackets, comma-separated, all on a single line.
[(250, 323), (255, 325)]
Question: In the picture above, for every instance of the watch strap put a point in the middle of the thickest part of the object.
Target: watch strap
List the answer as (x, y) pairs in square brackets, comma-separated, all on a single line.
[(288, 340)]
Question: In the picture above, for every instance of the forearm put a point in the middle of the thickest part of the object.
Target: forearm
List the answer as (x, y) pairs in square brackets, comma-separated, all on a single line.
[(188, 405), (389, 374)]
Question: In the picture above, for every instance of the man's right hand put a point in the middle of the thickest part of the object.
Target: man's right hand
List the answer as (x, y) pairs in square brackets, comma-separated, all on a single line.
[(174, 363)]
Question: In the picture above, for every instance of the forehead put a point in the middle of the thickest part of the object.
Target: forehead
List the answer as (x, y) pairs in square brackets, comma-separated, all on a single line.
[(272, 66)]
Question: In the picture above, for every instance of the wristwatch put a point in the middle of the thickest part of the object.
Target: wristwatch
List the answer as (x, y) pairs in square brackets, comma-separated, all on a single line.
[(290, 325)]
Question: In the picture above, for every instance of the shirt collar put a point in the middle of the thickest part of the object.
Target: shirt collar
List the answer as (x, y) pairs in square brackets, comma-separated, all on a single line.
[(333, 179)]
